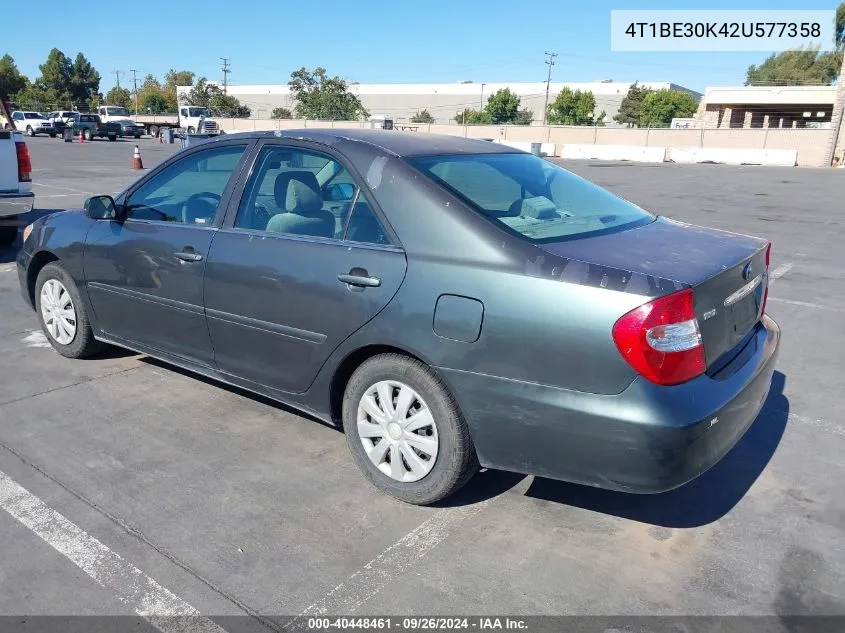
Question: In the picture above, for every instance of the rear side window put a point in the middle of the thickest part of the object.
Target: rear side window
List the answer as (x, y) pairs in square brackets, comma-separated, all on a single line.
[(532, 197)]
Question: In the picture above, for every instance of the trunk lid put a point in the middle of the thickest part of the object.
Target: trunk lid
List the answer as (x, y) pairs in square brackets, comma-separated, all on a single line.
[(727, 272)]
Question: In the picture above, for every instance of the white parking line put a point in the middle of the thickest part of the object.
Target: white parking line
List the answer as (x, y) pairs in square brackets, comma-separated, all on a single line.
[(41, 184), (779, 272), (805, 304), (395, 561), (164, 610), (828, 427)]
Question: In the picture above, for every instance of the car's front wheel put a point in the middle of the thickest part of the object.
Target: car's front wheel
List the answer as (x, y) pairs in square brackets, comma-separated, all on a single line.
[(30, 131), (405, 430), (62, 314)]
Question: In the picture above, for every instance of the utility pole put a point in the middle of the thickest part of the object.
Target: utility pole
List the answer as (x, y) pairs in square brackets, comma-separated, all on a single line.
[(837, 120), (135, 83), (226, 71), (117, 77), (481, 105), (551, 62)]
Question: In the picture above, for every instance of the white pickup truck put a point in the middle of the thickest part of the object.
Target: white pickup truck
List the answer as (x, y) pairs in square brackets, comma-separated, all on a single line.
[(16, 197)]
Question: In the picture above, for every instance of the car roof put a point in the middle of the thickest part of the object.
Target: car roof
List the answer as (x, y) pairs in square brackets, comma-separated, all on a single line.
[(391, 141)]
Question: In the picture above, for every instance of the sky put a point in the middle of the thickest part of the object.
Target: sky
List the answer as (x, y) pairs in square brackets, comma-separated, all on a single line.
[(434, 41)]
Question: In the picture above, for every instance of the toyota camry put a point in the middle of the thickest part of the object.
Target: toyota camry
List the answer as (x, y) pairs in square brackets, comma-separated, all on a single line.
[(451, 303)]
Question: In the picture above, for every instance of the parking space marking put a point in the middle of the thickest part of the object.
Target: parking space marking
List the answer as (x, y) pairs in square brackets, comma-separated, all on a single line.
[(36, 338), (7, 269), (780, 271), (805, 304), (828, 427), (395, 561), (41, 184), (160, 607)]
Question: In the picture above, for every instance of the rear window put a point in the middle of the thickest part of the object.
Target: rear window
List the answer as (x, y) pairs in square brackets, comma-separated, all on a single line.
[(532, 197)]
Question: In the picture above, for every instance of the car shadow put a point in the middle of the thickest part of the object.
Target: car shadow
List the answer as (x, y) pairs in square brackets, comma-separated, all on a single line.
[(238, 390), (701, 501)]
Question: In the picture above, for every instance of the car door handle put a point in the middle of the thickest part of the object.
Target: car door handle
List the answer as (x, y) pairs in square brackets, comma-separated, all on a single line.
[(362, 279), (187, 257)]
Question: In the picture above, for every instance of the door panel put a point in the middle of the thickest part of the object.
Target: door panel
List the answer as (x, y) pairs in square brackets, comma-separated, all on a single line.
[(276, 308), (142, 292)]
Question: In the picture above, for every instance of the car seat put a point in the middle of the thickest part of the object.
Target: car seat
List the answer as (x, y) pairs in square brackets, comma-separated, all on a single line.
[(298, 193)]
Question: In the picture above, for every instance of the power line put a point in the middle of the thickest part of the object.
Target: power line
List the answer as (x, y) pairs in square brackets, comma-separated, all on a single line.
[(226, 71), (551, 62), (135, 83)]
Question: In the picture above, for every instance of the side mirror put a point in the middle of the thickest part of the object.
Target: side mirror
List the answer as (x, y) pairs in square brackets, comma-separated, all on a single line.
[(101, 208), (339, 191)]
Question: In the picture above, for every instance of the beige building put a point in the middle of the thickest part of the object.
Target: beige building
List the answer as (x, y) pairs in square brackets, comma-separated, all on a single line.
[(767, 107), (443, 101)]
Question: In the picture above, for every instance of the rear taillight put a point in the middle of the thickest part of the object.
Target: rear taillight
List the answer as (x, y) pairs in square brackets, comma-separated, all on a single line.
[(661, 339), (24, 163), (96, 126), (766, 289)]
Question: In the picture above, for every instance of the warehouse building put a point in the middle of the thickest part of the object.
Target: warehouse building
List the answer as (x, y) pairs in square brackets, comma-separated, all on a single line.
[(443, 101)]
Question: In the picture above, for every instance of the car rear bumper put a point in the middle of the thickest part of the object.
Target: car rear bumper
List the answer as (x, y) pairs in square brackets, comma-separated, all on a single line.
[(647, 439), (16, 203)]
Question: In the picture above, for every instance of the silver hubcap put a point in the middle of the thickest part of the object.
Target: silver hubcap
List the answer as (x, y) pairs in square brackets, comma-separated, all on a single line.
[(58, 312), (397, 431)]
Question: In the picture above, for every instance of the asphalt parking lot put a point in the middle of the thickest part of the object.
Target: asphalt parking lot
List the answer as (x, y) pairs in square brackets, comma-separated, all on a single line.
[(204, 497)]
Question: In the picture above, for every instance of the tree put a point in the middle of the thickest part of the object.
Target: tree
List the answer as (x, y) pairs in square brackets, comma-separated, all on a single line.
[(422, 116), (153, 103), (661, 106), (281, 113), (319, 96), (524, 117), (175, 78), (473, 117), (796, 67), (630, 110), (84, 80), (56, 76), (119, 97), (839, 27), (574, 108), (11, 83), (210, 96), (502, 106)]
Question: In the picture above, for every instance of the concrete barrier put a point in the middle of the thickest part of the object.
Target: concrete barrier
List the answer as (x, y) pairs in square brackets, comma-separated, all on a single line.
[(637, 153), (546, 149), (730, 156)]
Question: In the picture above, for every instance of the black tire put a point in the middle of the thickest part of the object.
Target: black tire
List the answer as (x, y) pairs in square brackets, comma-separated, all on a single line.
[(154, 131), (112, 137), (456, 462), (137, 136), (8, 235), (83, 344), (53, 135), (86, 134), (191, 130), (30, 131)]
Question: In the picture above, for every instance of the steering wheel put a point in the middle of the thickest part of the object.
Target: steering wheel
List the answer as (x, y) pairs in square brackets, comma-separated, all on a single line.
[(197, 207)]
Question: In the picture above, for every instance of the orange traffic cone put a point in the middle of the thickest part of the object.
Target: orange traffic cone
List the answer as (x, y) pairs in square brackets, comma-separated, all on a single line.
[(136, 159), (81, 137)]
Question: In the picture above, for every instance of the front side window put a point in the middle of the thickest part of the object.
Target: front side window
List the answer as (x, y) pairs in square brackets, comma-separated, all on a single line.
[(301, 192), (188, 191), (532, 197), (17, 116)]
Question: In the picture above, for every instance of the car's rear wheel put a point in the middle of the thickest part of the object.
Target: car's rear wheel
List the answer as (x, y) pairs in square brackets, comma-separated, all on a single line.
[(112, 137), (8, 235), (62, 313), (52, 135), (30, 131), (405, 430), (86, 134)]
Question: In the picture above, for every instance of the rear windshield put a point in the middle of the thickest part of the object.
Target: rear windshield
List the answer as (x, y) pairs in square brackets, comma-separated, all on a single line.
[(532, 197)]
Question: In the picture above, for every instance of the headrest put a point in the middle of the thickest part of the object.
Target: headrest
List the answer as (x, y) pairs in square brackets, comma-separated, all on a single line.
[(538, 208), (298, 192)]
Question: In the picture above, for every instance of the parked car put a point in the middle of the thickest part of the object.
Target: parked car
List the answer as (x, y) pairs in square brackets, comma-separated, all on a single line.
[(128, 127), (90, 126), (450, 302), (32, 123), (61, 119), (16, 197)]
